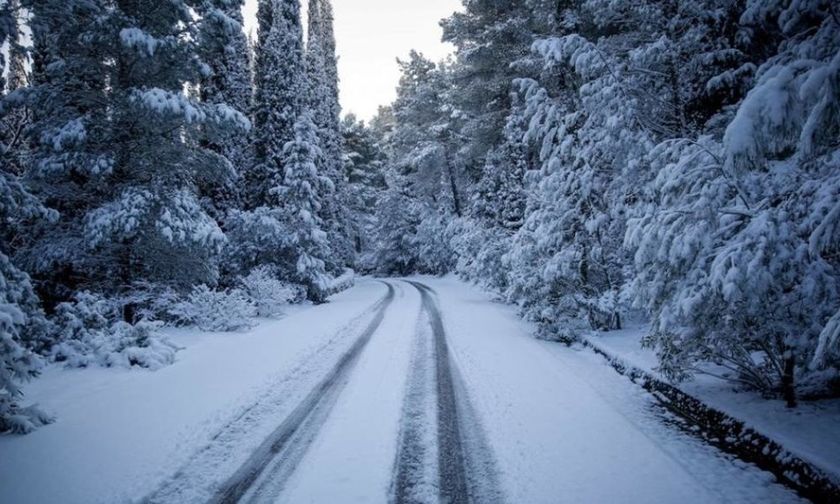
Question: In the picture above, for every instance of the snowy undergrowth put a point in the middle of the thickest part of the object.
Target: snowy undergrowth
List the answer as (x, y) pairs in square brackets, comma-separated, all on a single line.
[(215, 310), (89, 331)]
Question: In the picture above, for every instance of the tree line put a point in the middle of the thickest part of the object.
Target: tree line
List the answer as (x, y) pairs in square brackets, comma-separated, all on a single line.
[(147, 148), (675, 161)]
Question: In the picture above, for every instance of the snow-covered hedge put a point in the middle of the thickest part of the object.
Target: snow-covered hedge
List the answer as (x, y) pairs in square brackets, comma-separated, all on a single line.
[(268, 294), (90, 331), (215, 310)]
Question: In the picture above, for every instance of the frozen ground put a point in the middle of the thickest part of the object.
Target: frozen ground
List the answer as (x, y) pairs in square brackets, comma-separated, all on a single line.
[(392, 392), (811, 431)]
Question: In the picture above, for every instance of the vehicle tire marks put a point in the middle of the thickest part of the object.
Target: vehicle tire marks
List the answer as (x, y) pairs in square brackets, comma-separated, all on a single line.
[(271, 464), (465, 469), (415, 471)]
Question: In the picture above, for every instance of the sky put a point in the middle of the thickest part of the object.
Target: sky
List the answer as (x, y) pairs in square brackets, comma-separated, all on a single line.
[(371, 35)]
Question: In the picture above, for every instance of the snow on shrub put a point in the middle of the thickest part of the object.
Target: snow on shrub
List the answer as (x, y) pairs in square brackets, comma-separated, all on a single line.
[(90, 331), (268, 294), (342, 282), (215, 310)]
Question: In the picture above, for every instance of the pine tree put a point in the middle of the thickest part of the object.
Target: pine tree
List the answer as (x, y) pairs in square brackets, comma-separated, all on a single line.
[(490, 37), (364, 164), (279, 93), (323, 102), (70, 139), (224, 47), (301, 196), (151, 225), (16, 119), (22, 323)]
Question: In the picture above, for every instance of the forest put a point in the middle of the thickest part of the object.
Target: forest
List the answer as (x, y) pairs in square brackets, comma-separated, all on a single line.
[(591, 162)]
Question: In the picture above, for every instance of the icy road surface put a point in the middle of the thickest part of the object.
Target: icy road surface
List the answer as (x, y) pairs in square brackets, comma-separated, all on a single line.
[(418, 391)]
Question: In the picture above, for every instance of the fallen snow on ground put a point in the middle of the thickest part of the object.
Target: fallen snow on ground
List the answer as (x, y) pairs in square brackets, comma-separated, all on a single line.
[(565, 427), (811, 431), (353, 455), (121, 433), (555, 424)]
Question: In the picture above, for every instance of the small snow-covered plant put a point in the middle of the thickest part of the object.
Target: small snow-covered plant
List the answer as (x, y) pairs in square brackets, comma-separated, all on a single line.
[(342, 282), (269, 294), (215, 310), (80, 329), (138, 345), (151, 301), (90, 331), (19, 315)]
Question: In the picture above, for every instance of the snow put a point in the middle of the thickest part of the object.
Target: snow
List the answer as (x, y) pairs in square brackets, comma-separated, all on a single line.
[(352, 459), (136, 38), (811, 431), (562, 423), (120, 433), (554, 421)]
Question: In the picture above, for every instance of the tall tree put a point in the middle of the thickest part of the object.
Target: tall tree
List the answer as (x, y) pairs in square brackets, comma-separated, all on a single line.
[(16, 119), (22, 323), (224, 47), (151, 224), (323, 102), (280, 87), (301, 196), (71, 141)]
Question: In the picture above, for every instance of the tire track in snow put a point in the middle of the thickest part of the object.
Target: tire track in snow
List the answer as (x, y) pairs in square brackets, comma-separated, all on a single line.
[(465, 469), (276, 458)]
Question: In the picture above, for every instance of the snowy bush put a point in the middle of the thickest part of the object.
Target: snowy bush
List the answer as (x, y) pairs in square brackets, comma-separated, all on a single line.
[(90, 331), (433, 245), (480, 251), (215, 310), (20, 320), (341, 282), (268, 294), (150, 301)]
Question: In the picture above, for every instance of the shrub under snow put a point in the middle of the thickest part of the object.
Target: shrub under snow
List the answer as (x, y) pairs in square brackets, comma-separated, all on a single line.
[(268, 294), (212, 310), (90, 331)]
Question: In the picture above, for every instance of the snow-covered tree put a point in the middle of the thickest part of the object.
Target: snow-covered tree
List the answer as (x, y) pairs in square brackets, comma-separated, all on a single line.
[(364, 165), (489, 37), (499, 197), (301, 195), (738, 261), (280, 87), (224, 47), (396, 251), (14, 120), (22, 323), (70, 141), (322, 102), (151, 223)]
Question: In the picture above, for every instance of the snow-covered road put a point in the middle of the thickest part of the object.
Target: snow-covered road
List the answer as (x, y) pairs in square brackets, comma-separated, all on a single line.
[(398, 391)]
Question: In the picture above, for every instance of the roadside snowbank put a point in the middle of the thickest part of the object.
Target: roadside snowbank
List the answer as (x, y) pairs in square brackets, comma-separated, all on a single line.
[(811, 431)]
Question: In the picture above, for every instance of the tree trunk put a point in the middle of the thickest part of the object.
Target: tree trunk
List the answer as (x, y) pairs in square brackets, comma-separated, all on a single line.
[(788, 385)]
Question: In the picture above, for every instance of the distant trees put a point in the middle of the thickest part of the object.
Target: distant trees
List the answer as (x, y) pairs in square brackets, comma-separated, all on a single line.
[(677, 158)]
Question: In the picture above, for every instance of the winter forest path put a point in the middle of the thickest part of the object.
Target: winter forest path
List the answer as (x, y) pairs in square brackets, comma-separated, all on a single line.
[(450, 399), (437, 393)]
